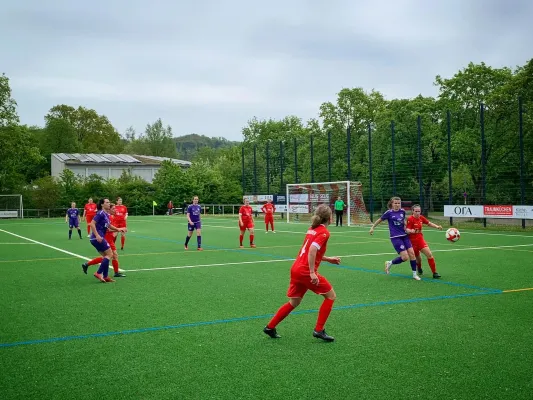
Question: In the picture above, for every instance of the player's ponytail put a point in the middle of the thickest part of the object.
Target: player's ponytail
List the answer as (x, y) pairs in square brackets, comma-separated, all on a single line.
[(100, 203), (322, 216)]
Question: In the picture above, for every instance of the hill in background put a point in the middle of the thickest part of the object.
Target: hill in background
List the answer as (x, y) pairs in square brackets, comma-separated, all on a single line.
[(187, 146)]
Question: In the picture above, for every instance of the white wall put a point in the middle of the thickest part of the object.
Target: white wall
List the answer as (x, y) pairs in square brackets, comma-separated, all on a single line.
[(147, 173)]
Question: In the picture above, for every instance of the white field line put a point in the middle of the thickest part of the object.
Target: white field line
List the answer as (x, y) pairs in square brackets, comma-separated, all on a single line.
[(209, 265), (17, 243), (443, 250), (258, 261), (46, 245)]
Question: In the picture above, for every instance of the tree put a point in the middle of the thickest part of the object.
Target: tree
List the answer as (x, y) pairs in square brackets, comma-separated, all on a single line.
[(159, 140), (18, 157), (59, 137), (8, 106), (94, 132)]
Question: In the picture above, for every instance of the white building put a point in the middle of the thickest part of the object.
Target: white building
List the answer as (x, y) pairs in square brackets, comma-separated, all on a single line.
[(110, 165)]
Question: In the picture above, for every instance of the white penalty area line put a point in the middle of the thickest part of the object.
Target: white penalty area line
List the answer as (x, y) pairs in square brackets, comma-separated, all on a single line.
[(45, 245), (443, 250), (210, 265)]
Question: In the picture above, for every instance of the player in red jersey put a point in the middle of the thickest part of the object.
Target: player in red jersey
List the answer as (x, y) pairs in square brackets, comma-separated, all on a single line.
[(305, 276), (246, 221), (121, 215), (414, 229), (110, 237), (269, 209), (89, 211)]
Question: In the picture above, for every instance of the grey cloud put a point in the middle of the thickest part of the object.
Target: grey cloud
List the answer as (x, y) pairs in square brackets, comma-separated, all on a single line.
[(208, 67)]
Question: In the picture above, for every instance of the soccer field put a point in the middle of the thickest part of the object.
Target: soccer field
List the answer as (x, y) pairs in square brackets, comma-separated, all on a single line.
[(188, 324)]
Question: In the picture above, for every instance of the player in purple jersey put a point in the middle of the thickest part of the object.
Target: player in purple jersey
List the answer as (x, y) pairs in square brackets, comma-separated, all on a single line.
[(99, 226), (73, 219), (194, 211), (397, 220)]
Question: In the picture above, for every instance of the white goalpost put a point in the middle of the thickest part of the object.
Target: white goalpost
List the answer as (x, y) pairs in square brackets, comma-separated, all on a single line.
[(11, 206), (303, 198)]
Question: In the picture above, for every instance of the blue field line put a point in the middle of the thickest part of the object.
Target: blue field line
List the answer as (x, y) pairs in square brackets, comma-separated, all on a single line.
[(360, 269), (239, 319)]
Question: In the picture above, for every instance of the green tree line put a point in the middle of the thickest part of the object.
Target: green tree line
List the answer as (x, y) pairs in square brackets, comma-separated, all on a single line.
[(216, 174)]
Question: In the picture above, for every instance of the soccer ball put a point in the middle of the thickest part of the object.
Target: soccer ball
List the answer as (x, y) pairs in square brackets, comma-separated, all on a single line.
[(453, 235)]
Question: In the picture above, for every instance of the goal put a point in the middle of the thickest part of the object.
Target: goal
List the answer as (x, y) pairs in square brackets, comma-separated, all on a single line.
[(11, 206), (303, 198)]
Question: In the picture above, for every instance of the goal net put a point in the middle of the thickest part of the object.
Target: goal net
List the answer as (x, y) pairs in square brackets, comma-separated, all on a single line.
[(11, 206), (303, 198)]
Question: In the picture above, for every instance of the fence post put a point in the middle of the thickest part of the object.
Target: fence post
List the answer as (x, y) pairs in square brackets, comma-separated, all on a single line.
[(483, 159), (295, 161), (312, 162), (371, 203), (393, 160), (449, 131), (521, 135), (348, 148), (281, 166), (419, 131), (268, 166), (255, 168), (329, 156), (242, 157)]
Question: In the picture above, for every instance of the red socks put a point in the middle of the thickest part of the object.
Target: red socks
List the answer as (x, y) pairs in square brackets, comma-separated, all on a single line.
[(115, 265), (251, 239), (122, 240), (283, 311), (241, 237), (266, 226), (95, 261), (323, 314), (432, 265), (88, 229)]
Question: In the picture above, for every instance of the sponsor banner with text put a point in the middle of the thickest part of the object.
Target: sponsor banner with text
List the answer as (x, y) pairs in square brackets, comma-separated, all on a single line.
[(9, 214), (489, 211)]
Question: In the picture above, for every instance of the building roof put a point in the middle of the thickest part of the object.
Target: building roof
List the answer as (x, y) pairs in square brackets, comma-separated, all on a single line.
[(116, 159)]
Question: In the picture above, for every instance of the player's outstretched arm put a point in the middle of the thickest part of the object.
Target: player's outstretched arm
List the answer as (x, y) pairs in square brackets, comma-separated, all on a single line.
[(332, 260), (374, 225)]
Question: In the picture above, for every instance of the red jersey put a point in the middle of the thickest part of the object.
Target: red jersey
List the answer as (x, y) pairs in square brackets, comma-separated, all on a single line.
[(121, 212), (416, 223), (317, 237), (90, 209), (268, 208), (246, 213)]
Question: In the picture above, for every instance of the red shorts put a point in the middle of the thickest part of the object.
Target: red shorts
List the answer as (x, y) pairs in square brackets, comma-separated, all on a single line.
[(269, 217), (89, 218), (120, 224), (110, 239), (301, 283), (246, 225), (418, 244)]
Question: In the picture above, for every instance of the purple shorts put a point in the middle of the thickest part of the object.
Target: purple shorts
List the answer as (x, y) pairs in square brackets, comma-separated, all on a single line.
[(194, 225), (401, 243), (100, 247), (73, 223)]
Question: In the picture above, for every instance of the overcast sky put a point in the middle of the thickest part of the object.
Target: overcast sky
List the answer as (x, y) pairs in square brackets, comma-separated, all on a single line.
[(209, 66)]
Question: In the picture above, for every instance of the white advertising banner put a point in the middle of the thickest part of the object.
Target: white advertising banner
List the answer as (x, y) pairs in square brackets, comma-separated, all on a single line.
[(490, 211), (9, 214), (298, 198), (299, 208), (319, 197)]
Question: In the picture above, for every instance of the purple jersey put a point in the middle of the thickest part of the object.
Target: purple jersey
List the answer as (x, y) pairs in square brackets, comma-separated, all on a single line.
[(396, 221), (194, 211), (101, 220), (73, 213)]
